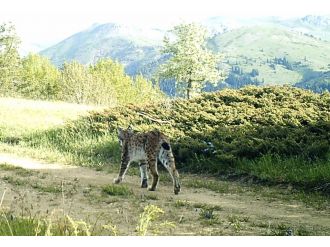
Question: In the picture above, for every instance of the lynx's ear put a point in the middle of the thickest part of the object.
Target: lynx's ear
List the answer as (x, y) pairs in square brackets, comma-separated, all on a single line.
[(130, 128), (120, 131)]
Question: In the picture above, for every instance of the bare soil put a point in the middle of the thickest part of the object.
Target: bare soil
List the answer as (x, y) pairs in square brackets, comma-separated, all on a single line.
[(43, 189)]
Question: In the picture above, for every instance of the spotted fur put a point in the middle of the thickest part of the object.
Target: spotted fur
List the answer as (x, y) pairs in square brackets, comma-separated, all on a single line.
[(146, 148)]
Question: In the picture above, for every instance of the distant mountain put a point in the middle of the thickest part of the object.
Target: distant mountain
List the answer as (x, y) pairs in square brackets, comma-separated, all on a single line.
[(257, 51), (129, 45), (279, 56), (317, 26), (317, 21)]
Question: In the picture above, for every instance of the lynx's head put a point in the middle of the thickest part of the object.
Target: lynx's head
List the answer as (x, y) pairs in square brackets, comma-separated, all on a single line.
[(123, 134)]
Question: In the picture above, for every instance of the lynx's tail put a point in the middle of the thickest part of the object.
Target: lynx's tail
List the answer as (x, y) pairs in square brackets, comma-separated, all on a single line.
[(166, 146), (167, 159)]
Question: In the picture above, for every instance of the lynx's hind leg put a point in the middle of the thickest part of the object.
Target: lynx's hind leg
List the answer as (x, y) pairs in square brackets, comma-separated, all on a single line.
[(144, 174), (167, 159)]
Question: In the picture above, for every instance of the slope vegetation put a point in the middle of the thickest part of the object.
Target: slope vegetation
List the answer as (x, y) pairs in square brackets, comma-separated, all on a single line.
[(276, 134)]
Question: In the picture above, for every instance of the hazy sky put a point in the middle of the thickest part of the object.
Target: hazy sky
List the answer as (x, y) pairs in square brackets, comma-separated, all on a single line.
[(45, 22)]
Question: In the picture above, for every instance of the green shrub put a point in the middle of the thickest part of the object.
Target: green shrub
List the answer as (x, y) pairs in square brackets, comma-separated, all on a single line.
[(215, 132)]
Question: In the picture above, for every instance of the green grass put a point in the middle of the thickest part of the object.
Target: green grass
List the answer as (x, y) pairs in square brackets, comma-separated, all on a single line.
[(79, 148), (117, 190), (29, 225), (13, 226), (148, 197), (60, 224), (208, 218), (47, 188), (307, 174), (13, 180), (22, 116), (283, 229), (7, 167), (182, 203), (22, 121), (208, 184), (208, 207), (18, 170)]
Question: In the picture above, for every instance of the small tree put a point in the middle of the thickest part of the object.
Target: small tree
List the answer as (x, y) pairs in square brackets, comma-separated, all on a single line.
[(39, 78), (113, 75), (76, 83), (190, 64), (125, 89), (9, 58)]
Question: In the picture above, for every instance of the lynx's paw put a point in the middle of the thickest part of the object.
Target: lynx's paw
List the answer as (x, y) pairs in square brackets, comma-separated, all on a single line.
[(177, 189), (144, 183), (151, 188)]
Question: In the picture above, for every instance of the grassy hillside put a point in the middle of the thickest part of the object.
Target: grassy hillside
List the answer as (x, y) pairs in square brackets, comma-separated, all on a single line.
[(256, 47), (22, 117), (275, 134)]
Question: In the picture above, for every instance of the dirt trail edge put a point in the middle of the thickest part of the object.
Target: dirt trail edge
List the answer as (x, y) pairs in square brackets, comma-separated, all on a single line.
[(28, 163), (42, 188)]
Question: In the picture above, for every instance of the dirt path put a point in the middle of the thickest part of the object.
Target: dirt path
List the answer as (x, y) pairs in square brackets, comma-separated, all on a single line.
[(28, 163), (43, 189)]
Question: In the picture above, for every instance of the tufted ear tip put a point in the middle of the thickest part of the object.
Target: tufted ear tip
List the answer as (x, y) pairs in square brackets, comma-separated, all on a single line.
[(119, 130)]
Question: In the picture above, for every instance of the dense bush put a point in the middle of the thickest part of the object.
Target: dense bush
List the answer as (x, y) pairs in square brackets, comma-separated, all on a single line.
[(232, 124)]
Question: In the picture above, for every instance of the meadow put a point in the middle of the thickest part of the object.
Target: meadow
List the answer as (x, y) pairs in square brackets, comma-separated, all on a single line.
[(253, 161)]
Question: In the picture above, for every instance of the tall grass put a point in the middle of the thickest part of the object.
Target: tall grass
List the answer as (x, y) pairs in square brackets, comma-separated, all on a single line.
[(308, 174), (57, 223), (38, 128), (79, 146)]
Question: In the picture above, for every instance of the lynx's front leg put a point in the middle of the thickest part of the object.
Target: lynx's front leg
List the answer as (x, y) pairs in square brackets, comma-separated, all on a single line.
[(155, 176), (123, 169)]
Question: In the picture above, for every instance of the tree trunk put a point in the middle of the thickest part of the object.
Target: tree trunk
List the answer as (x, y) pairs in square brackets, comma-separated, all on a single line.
[(189, 89)]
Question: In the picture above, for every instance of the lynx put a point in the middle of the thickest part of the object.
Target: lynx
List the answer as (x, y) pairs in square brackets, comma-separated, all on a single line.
[(145, 148)]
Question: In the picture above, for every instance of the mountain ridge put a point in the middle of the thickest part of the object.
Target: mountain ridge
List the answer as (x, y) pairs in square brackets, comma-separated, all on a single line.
[(256, 44)]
